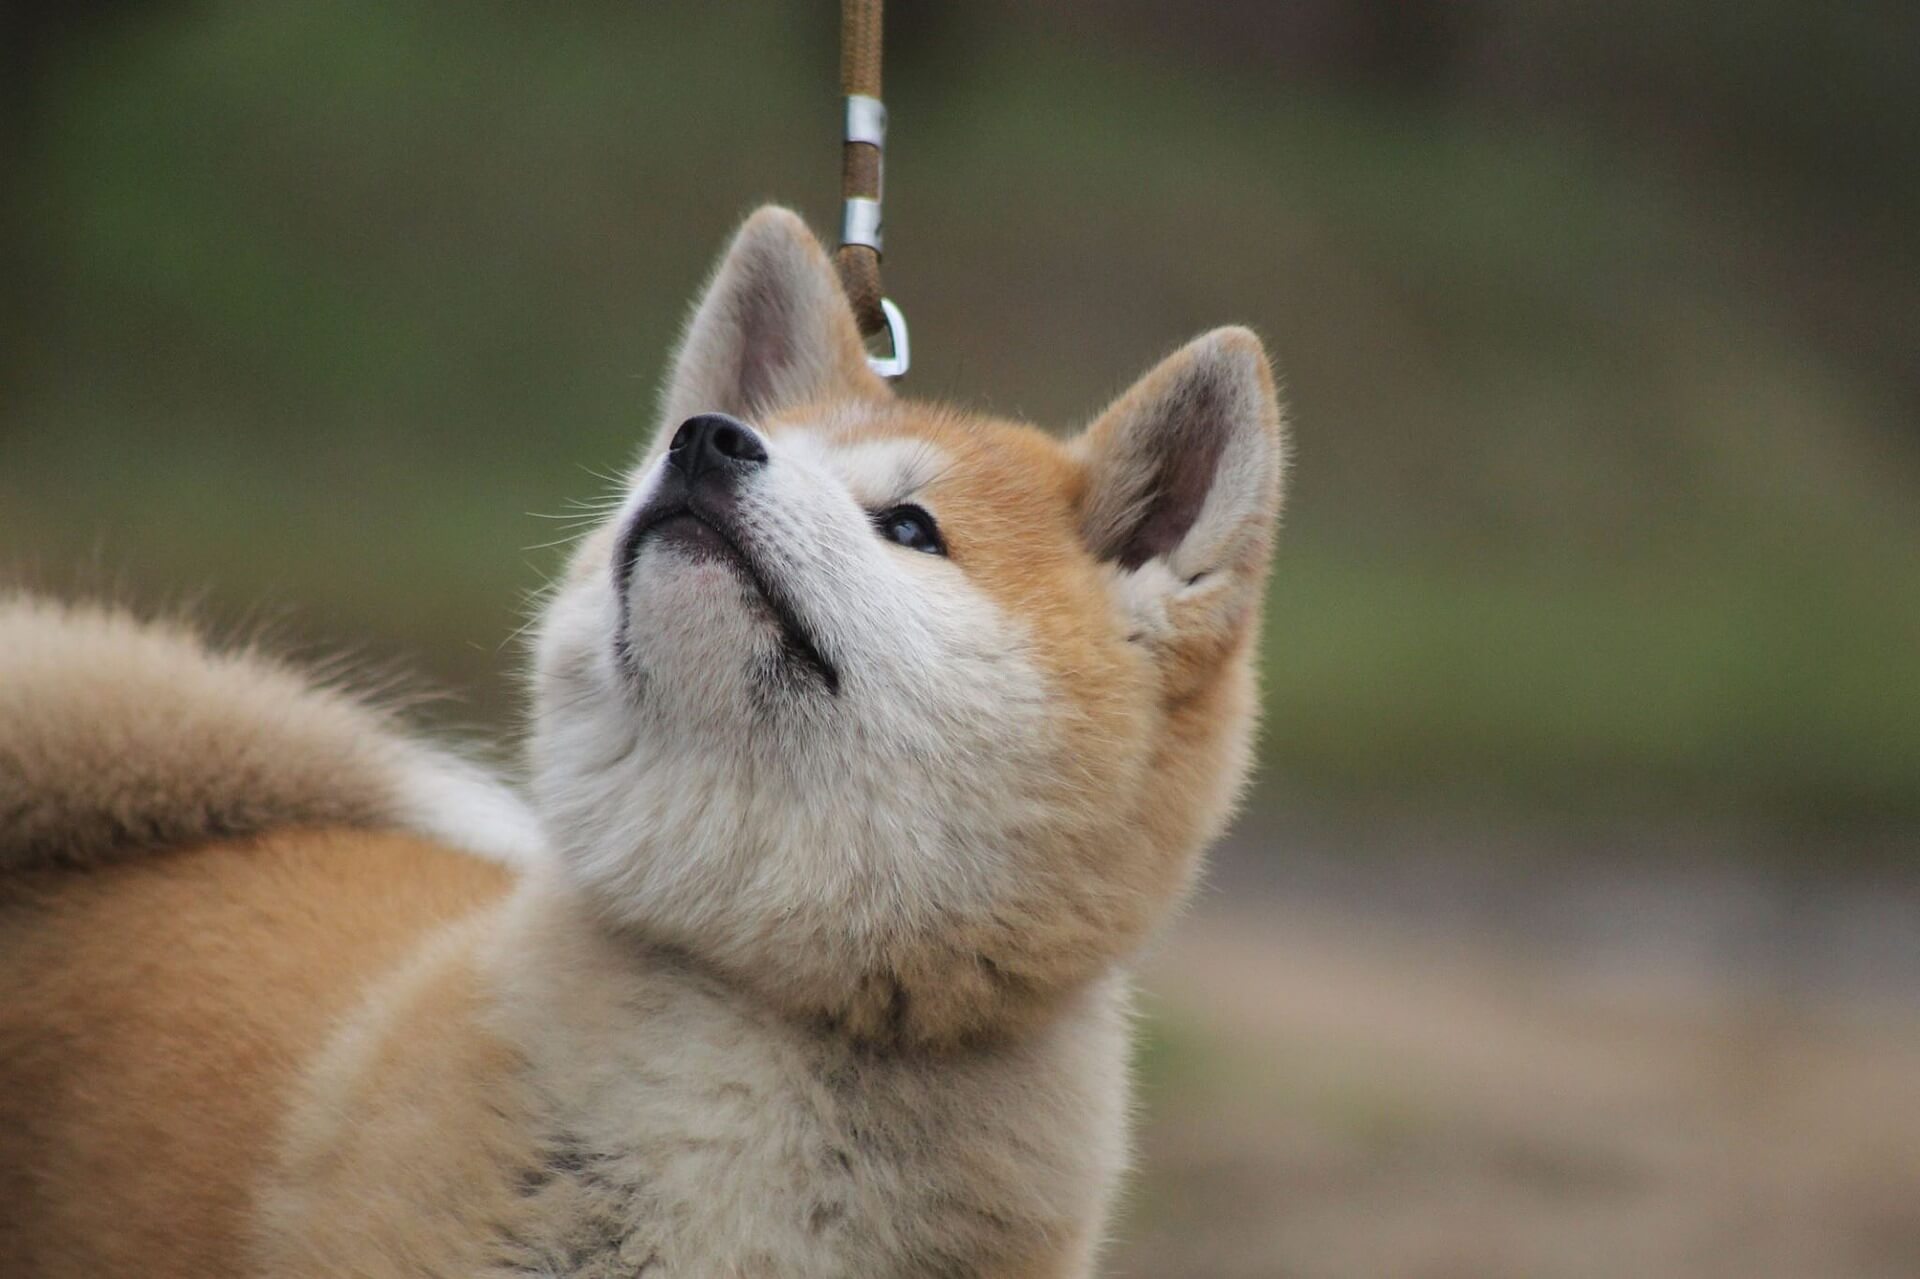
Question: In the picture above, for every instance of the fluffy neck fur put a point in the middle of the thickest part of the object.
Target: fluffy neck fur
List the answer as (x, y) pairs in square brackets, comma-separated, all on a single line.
[(880, 965)]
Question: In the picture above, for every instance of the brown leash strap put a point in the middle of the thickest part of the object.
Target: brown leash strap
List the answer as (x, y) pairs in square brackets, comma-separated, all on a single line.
[(858, 258)]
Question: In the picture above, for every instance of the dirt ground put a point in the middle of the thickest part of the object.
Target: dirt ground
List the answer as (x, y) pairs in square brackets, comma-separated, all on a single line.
[(1329, 1093)]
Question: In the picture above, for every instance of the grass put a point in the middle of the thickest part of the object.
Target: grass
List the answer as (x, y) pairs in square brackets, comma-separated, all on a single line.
[(1778, 691)]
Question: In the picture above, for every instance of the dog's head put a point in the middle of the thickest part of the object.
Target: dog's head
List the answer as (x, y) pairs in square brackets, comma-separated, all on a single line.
[(908, 719)]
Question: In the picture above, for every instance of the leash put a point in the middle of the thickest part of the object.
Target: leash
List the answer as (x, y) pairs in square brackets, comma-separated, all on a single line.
[(858, 257)]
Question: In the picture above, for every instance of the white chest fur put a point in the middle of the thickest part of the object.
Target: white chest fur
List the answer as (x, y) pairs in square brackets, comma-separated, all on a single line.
[(682, 1131)]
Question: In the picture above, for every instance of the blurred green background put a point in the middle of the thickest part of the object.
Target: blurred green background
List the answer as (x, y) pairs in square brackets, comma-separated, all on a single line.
[(1583, 865), (1598, 325)]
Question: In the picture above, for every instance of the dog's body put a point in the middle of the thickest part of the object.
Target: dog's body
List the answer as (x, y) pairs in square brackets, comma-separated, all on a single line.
[(870, 742)]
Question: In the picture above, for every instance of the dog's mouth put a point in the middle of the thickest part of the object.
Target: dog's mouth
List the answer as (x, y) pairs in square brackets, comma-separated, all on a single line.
[(709, 535)]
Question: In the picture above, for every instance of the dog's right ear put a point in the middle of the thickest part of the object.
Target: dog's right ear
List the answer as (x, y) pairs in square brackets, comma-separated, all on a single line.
[(773, 330)]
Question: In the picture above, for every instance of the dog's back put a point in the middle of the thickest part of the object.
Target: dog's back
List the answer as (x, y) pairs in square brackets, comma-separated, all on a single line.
[(187, 844)]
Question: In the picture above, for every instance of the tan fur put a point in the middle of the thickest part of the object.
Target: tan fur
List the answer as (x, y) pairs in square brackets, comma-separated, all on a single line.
[(121, 735), (816, 978), (154, 1020)]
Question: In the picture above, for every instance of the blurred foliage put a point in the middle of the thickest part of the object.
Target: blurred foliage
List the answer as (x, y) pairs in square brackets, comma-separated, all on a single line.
[(1597, 323)]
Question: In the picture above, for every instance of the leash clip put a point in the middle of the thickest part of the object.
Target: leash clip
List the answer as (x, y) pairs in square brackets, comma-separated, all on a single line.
[(866, 125), (894, 363)]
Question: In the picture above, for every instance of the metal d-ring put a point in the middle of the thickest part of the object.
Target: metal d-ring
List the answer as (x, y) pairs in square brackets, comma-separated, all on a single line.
[(894, 363)]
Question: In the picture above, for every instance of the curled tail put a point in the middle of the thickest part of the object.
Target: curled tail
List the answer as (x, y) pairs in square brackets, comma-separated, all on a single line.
[(119, 735)]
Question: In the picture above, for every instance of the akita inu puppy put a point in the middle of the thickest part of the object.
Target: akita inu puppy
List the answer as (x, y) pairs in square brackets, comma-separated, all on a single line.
[(870, 740)]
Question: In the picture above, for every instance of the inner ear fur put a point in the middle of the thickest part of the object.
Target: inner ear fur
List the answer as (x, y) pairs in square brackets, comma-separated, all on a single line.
[(772, 330), (1185, 467)]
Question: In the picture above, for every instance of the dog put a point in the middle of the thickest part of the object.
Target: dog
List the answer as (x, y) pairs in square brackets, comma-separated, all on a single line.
[(870, 741)]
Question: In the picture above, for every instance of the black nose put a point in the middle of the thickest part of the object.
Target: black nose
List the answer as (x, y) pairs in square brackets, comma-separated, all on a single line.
[(714, 442)]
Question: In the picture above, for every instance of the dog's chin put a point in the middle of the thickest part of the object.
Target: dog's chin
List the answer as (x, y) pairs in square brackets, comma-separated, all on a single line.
[(694, 599)]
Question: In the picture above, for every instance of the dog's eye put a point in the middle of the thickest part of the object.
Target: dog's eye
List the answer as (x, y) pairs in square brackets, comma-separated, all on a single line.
[(911, 527)]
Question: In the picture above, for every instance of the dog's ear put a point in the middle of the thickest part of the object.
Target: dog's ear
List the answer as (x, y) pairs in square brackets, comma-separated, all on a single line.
[(1183, 477), (773, 330)]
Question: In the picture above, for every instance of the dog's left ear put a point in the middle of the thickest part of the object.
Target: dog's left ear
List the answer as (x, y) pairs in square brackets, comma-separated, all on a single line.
[(773, 330), (1183, 477)]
